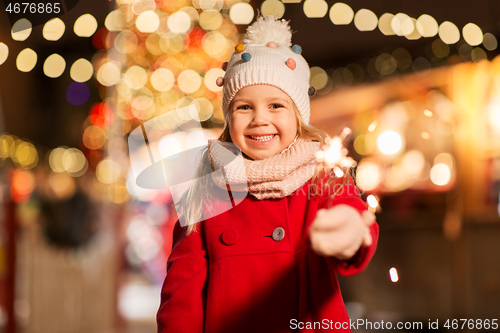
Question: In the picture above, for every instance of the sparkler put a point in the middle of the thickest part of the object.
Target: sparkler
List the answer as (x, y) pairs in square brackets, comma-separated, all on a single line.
[(334, 155)]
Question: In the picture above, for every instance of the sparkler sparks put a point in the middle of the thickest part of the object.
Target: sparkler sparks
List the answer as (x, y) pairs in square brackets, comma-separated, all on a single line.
[(334, 154)]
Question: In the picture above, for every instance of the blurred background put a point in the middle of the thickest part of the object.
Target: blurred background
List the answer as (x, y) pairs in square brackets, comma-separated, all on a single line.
[(83, 247)]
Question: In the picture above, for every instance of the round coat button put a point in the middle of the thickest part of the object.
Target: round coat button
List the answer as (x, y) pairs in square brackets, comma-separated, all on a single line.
[(278, 234), (230, 237)]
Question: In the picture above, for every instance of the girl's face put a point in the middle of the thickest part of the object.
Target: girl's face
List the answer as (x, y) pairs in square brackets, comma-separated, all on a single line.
[(263, 121)]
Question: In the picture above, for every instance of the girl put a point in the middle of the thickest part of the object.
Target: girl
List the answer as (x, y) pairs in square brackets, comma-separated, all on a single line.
[(268, 263)]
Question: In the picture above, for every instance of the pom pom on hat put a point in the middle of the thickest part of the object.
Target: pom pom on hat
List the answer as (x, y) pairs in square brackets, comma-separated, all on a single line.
[(269, 29), (246, 56)]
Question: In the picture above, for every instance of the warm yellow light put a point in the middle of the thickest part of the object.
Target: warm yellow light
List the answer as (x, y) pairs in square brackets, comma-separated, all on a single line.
[(372, 126), (136, 77), (179, 22), (4, 53), (126, 42), (490, 42), (109, 73), (384, 24), (393, 273), (478, 54), (81, 70), (368, 175), (341, 14), (147, 22), (189, 81), (364, 144), (210, 19), (398, 24), (449, 33), (26, 155), (315, 8), (413, 162), (85, 25), (444, 158), (162, 79), (93, 137), (365, 20), (272, 7), (215, 44), (26, 60), (108, 171), (241, 13), (425, 135), (211, 77), (427, 26), (74, 162), (414, 35), (143, 107), (54, 65), (472, 34), (55, 159), (386, 64), (372, 201), (112, 19), (206, 109), (62, 185), (21, 30), (319, 78), (440, 174), (53, 29), (440, 49), (428, 113), (389, 142)]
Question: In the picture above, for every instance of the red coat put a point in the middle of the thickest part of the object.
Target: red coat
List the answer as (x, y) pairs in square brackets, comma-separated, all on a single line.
[(232, 276)]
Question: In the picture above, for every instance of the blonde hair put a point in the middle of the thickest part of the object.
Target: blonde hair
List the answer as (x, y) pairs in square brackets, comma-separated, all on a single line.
[(189, 204)]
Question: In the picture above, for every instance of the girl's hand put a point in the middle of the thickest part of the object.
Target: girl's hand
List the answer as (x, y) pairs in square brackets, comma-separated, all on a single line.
[(340, 231)]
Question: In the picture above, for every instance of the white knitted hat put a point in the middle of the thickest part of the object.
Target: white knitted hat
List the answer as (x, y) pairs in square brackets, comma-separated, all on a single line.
[(266, 57)]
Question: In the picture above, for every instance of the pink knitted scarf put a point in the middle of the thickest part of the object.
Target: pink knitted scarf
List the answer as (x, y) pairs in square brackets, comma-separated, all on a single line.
[(274, 177)]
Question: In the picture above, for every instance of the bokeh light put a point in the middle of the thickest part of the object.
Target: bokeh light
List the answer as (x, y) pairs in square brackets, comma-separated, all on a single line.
[(26, 60), (143, 107), (126, 42), (189, 81), (389, 142), (402, 24), (179, 22), (472, 34), (54, 65), (211, 77), (74, 162), (319, 78), (62, 185), (108, 171), (427, 26), (210, 20), (241, 13), (136, 77), (341, 14), (273, 7), (21, 30), (54, 29), (94, 137), (56, 159), (25, 155), (440, 174), (393, 273), (162, 79), (368, 175), (384, 24), (365, 20), (85, 25), (77, 93), (315, 8), (147, 22), (81, 70), (109, 73), (413, 162), (490, 42), (22, 184), (4, 53), (449, 33)]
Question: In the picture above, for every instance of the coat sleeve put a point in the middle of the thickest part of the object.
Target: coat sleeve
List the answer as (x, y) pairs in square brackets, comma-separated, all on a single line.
[(350, 195), (183, 300)]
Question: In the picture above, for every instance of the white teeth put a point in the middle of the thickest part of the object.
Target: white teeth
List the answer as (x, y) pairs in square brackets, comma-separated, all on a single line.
[(262, 138)]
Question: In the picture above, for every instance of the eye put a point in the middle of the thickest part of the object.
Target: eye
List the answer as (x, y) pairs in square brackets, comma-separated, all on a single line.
[(276, 106), (243, 107)]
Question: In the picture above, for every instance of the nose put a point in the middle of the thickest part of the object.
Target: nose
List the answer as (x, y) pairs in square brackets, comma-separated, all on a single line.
[(260, 117)]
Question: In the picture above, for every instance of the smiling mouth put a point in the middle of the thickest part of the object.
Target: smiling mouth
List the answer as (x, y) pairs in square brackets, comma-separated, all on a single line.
[(262, 138)]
